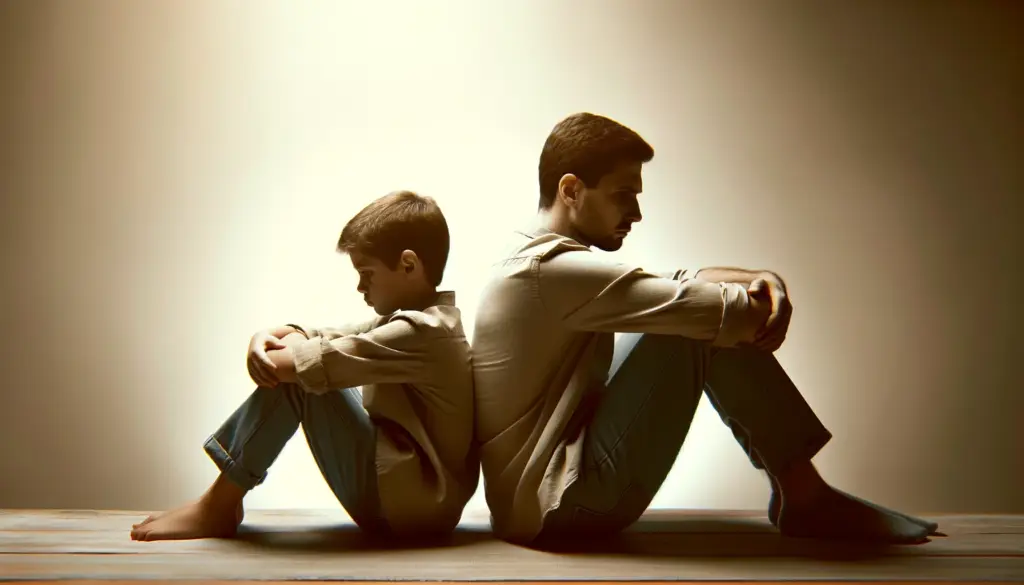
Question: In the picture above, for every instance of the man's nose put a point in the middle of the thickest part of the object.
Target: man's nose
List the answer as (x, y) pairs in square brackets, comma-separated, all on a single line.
[(634, 214)]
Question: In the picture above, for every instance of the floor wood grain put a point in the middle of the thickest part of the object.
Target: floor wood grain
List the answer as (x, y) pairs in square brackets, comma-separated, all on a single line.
[(675, 546)]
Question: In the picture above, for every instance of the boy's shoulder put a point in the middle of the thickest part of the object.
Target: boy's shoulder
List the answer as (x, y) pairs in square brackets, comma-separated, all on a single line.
[(442, 319)]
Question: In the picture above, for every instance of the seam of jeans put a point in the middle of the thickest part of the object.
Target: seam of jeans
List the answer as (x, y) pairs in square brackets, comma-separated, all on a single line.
[(622, 435), (262, 420)]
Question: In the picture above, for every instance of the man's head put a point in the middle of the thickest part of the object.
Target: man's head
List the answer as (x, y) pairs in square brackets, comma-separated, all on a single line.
[(590, 176), (399, 246)]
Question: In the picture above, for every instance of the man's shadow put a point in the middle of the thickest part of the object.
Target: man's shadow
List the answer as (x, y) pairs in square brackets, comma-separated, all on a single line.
[(679, 537), (716, 537)]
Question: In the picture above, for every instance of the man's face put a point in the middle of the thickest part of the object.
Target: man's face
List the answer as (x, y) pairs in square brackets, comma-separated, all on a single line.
[(605, 212), (382, 288)]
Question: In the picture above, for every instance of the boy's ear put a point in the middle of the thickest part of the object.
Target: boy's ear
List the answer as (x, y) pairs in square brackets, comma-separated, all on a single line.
[(408, 260)]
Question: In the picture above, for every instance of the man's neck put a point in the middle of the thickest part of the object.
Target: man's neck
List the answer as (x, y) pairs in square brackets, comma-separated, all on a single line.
[(558, 223)]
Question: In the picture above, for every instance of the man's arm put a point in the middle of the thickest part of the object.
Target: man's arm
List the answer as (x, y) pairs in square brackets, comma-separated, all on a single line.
[(771, 285), (733, 275), (589, 293)]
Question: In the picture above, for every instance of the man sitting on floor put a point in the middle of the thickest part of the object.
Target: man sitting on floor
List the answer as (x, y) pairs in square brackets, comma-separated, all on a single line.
[(574, 442)]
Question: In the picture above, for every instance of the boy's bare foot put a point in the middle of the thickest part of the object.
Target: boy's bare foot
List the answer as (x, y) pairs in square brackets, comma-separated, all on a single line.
[(200, 519), (217, 514)]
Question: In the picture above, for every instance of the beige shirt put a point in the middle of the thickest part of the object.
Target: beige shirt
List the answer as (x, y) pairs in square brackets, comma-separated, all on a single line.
[(543, 341), (415, 369)]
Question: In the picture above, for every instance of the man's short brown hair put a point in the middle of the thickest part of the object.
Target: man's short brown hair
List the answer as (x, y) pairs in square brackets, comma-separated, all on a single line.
[(399, 221), (587, 146)]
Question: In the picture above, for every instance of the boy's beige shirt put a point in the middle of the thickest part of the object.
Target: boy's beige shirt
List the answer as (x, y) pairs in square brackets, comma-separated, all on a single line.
[(543, 343), (415, 368)]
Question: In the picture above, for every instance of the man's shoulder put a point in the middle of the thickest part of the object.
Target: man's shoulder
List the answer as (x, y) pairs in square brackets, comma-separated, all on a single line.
[(541, 245)]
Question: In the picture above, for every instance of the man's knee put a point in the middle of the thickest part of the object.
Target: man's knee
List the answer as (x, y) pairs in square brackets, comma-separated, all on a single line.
[(652, 350)]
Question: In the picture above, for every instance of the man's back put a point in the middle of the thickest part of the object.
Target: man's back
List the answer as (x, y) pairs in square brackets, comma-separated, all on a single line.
[(542, 348), (519, 355)]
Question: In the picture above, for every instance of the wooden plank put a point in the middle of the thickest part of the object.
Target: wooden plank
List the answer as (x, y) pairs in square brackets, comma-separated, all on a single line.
[(417, 565), (212, 582), (692, 544), (702, 521), (323, 545)]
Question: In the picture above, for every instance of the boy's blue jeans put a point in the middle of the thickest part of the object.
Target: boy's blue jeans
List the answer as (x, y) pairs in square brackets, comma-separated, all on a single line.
[(339, 432)]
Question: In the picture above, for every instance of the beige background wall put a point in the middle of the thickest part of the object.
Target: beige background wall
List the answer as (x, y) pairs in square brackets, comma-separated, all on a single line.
[(174, 176)]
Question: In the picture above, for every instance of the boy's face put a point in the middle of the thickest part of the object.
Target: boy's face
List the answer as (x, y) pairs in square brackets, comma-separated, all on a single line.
[(385, 289)]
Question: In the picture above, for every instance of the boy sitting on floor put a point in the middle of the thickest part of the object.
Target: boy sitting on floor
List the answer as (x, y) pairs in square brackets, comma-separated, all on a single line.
[(399, 458)]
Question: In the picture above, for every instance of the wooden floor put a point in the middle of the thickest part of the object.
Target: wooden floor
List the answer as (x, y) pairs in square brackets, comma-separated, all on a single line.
[(664, 546)]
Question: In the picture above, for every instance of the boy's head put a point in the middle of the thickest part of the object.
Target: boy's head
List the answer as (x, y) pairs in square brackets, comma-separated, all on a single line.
[(590, 176), (399, 246)]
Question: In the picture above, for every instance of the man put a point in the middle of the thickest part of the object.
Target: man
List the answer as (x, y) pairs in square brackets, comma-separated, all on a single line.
[(405, 465), (567, 448)]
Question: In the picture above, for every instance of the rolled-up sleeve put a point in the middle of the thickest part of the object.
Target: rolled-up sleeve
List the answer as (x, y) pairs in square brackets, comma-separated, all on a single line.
[(587, 292), (329, 333), (396, 352)]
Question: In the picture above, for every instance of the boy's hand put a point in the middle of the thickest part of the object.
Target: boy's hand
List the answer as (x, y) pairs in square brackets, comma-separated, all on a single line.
[(284, 365), (261, 368)]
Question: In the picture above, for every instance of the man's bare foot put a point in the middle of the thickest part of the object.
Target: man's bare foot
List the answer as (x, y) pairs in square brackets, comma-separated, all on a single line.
[(803, 505), (775, 507), (200, 519)]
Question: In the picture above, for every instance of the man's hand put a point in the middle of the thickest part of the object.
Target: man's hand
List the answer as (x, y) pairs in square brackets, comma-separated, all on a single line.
[(261, 368), (769, 288)]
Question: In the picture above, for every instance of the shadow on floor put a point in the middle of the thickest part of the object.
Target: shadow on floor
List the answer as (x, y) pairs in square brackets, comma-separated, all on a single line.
[(350, 538), (717, 537), (678, 537)]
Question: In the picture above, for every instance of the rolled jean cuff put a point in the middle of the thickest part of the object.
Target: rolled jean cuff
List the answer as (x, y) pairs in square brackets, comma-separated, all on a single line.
[(780, 456), (231, 468)]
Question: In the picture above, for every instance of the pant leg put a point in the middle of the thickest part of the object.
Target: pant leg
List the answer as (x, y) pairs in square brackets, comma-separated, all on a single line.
[(339, 432), (641, 423)]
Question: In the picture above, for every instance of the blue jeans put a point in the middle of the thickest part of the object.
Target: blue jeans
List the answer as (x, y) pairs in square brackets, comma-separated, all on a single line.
[(640, 422), (339, 432)]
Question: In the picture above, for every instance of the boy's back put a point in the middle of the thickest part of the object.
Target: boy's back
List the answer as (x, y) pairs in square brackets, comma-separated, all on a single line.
[(426, 465)]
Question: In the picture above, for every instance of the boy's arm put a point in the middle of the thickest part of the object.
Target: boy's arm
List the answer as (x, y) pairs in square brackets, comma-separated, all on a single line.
[(285, 330), (329, 333), (587, 292), (396, 352)]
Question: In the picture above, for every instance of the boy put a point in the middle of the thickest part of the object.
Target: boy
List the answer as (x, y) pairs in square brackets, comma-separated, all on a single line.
[(405, 464)]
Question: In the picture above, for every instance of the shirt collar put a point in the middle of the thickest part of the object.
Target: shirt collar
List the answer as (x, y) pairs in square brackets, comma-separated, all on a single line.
[(446, 297)]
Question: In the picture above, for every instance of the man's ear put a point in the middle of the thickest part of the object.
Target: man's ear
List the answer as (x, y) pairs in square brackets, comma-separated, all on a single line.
[(408, 261), (569, 187)]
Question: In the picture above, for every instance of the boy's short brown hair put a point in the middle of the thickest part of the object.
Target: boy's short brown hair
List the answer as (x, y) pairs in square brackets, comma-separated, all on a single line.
[(588, 146), (398, 221)]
